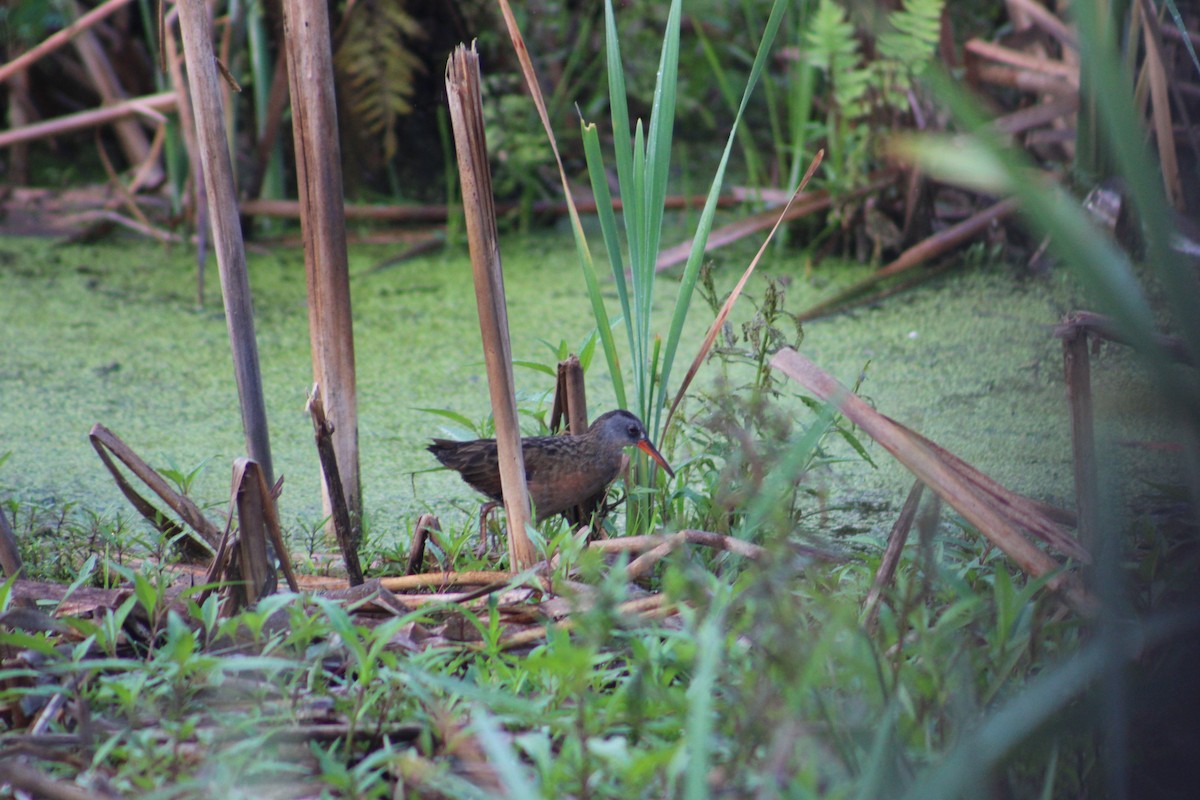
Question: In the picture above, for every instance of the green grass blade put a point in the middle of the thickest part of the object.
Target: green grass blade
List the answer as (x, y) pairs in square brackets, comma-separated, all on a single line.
[(503, 758), (658, 141), (698, 733), (979, 752), (608, 227), (619, 111), (754, 167)]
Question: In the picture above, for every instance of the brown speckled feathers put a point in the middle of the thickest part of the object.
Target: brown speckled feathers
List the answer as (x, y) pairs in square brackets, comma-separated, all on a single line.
[(561, 471)]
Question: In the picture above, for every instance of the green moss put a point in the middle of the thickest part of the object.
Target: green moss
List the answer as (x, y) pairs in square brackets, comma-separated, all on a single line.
[(110, 333)]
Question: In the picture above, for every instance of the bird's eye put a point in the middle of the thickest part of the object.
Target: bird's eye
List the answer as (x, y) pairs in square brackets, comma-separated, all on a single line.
[(634, 432)]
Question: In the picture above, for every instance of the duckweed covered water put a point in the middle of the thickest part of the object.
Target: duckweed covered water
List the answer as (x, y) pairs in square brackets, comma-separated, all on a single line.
[(111, 333)]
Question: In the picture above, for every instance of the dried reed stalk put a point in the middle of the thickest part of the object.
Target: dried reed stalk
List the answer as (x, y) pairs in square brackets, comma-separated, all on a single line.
[(323, 222), (976, 507), (227, 231), (466, 114), (345, 527)]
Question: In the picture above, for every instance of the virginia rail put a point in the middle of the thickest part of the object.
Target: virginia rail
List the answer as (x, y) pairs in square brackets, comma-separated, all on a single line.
[(561, 471)]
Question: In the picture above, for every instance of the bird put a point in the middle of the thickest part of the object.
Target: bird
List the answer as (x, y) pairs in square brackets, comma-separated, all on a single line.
[(560, 471)]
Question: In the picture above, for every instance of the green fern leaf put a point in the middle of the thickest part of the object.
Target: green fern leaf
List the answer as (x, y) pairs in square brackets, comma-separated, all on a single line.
[(375, 67), (914, 33)]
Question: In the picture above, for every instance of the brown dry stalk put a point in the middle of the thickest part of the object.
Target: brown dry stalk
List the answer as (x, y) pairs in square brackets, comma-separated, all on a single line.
[(149, 105), (347, 533), (651, 607), (60, 38), (716, 541), (104, 442), (470, 578), (1024, 61), (934, 246), (891, 555), (977, 508), (466, 115)]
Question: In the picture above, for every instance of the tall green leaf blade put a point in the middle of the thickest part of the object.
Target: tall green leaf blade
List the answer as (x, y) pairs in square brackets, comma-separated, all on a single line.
[(691, 270), (658, 141), (619, 111), (635, 230), (608, 226)]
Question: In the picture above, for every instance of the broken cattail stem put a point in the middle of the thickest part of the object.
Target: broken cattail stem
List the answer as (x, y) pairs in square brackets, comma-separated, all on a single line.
[(345, 530), (466, 114)]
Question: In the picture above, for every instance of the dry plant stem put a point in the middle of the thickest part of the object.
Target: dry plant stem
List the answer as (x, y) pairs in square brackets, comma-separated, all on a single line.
[(105, 441), (226, 227), (348, 534), (1023, 80), (104, 79), (801, 205), (10, 554), (1045, 19), (716, 541), (891, 556), (933, 471), (570, 401), (323, 222), (437, 212), (1077, 372), (147, 230), (187, 126), (643, 564), (1036, 116), (932, 247), (653, 606), (1023, 61), (21, 776), (148, 105), (1156, 72), (466, 115), (1040, 519), (274, 529), (472, 578), (124, 194), (257, 577), (570, 398), (57, 40), (1102, 326), (426, 524)]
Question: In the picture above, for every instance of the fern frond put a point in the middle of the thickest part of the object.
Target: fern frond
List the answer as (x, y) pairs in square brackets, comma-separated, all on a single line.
[(833, 48), (375, 67), (914, 33)]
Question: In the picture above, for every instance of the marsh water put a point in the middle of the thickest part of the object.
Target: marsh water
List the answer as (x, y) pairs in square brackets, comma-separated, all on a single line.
[(112, 333)]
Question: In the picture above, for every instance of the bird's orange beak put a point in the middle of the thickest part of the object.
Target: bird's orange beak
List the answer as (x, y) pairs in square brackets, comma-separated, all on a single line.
[(649, 449)]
